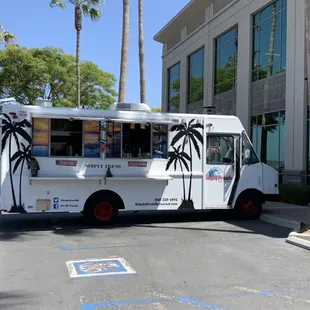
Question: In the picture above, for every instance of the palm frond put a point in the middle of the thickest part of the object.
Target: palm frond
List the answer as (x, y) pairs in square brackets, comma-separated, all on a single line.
[(197, 126), (177, 127), (19, 160), (23, 146), (24, 134), (95, 2), (24, 123), (196, 146), (59, 3), (184, 162), (177, 137), (16, 155), (175, 164), (85, 9), (191, 122), (16, 139), (94, 13), (185, 155), (171, 159), (7, 117), (197, 134)]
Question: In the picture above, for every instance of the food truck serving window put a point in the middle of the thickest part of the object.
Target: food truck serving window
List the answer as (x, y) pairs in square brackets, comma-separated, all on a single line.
[(65, 138), (136, 140)]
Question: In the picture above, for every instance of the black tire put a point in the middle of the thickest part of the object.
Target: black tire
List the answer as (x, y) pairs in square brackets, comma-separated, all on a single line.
[(249, 206), (101, 210)]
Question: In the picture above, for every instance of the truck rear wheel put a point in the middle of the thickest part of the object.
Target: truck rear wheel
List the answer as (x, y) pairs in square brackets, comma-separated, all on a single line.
[(101, 210), (249, 206)]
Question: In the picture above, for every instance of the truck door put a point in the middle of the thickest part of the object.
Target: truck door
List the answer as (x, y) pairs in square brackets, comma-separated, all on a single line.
[(222, 169)]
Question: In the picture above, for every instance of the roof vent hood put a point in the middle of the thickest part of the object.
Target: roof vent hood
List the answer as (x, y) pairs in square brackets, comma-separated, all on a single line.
[(44, 103), (138, 107)]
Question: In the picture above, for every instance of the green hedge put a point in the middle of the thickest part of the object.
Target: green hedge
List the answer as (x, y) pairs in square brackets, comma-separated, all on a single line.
[(295, 194)]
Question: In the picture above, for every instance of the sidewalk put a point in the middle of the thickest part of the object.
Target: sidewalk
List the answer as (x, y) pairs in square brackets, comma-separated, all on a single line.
[(295, 217)]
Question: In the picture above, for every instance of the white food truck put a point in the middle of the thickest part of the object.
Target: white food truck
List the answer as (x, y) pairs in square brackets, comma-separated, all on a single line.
[(100, 162)]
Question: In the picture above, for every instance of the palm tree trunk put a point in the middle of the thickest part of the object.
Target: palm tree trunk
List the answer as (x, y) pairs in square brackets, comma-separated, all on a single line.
[(271, 41), (124, 52), (11, 175), (78, 27), (20, 184), (191, 168), (184, 197), (141, 54), (78, 74)]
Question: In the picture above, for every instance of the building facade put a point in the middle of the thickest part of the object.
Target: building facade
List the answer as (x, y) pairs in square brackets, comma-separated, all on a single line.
[(246, 58)]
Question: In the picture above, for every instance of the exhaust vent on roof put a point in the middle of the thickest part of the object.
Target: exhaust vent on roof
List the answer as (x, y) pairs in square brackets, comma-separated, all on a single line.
[(44, 103), (140, 107)]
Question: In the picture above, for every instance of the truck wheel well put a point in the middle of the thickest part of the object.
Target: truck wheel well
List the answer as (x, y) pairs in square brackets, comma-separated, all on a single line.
[(253, 191), (106, 193)]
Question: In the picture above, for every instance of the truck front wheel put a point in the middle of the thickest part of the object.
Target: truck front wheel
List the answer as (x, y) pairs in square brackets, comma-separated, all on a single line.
[(249, 206), (101, 210)]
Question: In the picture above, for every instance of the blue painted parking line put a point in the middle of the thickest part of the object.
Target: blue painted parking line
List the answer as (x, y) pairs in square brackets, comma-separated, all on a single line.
[(198, 303), (110, 304), (99, 267)]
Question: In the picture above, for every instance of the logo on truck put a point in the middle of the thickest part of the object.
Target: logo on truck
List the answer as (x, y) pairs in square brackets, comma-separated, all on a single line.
[(217, 174)]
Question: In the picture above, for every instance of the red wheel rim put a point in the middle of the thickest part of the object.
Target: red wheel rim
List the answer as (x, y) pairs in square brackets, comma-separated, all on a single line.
[(103, 211), (249, 208)]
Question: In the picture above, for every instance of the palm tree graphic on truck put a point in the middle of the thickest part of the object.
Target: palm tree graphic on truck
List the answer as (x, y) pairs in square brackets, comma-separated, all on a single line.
[(12, 130), (185, 134)]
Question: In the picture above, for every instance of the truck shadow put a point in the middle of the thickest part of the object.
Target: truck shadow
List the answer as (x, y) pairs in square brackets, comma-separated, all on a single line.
[(18, 226)]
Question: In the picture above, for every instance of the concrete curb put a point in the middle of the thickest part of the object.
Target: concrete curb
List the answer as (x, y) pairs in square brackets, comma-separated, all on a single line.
[(279, 221), (295, 240)]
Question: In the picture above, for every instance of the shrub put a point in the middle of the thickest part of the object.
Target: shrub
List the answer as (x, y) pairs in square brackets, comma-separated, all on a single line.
[(295, 194)]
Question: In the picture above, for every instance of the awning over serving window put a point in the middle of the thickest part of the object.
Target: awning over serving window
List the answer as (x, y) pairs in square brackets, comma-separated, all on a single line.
[(114, 119)]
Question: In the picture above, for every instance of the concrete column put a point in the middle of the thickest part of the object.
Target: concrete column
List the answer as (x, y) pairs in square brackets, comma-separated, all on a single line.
[(164, 81), (183, 85), (209, 73), (244, 76), (295, 111), (184, 33)]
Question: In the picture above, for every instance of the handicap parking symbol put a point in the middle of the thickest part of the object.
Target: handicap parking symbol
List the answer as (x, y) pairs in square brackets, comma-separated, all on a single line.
[(99, 267)]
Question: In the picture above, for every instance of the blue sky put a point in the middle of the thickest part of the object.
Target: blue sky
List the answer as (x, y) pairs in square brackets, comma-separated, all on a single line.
[(38, 25)]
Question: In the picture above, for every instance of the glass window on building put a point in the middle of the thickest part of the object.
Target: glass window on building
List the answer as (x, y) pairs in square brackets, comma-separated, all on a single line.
[(269, 41), (226, 51), (174, 88), (268, 138), (195, 76)]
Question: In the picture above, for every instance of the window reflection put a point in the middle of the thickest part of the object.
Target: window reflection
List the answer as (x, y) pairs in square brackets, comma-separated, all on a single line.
[(269, 41), (195, 76), (226, 48), (268, 138), (174, 88)]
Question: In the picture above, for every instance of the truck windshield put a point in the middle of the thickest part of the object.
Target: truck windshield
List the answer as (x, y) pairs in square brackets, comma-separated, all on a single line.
[(249, 156)]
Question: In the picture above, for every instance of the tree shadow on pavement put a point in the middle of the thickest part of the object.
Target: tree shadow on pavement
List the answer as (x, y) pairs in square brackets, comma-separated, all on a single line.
[(16, 300)]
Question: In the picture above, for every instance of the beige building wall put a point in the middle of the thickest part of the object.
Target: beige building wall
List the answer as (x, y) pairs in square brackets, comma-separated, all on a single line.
[(220, 17)]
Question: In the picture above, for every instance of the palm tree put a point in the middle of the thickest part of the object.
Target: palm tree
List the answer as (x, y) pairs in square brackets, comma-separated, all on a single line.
[(21, 156), (86, 8), (13, 129), (190, 134), (178, 157), (124, 52), (5, 36), (141, 53), (272, 39)]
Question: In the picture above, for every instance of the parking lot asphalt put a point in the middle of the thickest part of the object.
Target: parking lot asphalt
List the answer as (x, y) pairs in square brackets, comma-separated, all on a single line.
[(161, 260)]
